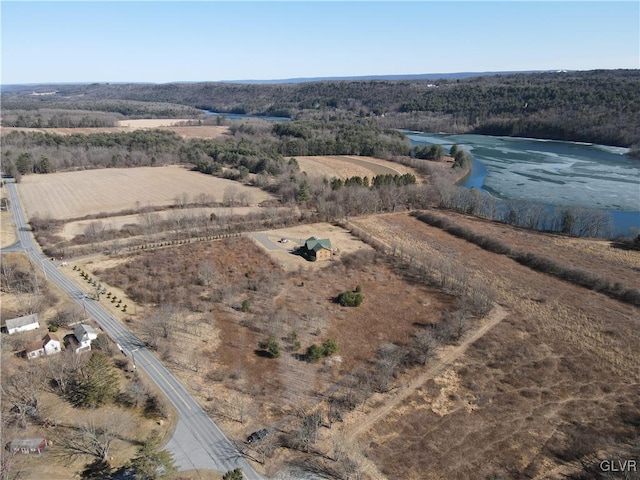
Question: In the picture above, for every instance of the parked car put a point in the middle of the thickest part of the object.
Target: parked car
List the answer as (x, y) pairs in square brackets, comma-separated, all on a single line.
[(259, 435)]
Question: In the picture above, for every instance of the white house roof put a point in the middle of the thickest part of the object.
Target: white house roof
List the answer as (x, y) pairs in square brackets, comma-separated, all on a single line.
[(85, 332), (22, 321)]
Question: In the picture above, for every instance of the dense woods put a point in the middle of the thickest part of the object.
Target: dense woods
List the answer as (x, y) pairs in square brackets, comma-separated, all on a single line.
[(252, 147), (597, 106)]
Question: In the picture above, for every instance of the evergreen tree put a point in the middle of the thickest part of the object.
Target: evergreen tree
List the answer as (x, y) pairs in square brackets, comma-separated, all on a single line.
[(304, 192), (98, 383), (233, 475), (151, 463)]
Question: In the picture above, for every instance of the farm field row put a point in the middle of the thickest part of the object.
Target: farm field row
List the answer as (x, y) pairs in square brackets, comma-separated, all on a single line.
[(344, 166), (76, 194), (171, 124)]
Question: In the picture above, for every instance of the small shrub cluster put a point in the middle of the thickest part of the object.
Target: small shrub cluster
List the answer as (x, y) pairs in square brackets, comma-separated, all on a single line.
[(351, 298), (316, 352), (271, 346)]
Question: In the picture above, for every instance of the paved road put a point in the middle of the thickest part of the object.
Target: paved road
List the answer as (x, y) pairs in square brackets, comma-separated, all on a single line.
[(197, 442)]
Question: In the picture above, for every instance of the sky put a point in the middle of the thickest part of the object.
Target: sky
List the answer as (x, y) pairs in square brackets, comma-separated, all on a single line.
[(163, 41)]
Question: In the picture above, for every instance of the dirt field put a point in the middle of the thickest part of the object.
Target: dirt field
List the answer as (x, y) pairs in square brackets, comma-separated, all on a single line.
[(546, 386), (341, 240), (151, 123), (76, 194), (204, 131), (343, 166)]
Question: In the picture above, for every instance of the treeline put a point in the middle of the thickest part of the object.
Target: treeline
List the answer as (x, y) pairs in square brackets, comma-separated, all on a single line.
[(39, 105), (253, 147), (573, 221), (376, 182), (537, 262), (594, 106), (57, 118), (22, 151)]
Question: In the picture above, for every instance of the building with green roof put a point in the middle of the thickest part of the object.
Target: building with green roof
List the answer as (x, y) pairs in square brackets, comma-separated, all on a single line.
[(318, 248)]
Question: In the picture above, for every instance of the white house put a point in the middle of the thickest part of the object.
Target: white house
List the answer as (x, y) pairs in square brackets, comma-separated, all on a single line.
[(84, 335), (22, 324), (49, 345)]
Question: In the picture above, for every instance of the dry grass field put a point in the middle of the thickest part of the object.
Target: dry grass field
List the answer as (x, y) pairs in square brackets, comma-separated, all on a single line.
[(71, 229), (344, 166), (556, 380), (171, 124), (7, 227), (76, 194), (7, 230), (219, 359), (550, 376)]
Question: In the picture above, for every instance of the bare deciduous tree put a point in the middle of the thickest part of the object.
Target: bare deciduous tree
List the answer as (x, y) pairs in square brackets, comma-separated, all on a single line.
[(22, 391), (92, 438), (230, 196), (207, 273), (390, 356), (423, 345)]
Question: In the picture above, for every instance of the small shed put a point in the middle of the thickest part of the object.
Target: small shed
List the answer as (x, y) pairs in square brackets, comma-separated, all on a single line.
[(28, 446), (22, 324), (318, 248)]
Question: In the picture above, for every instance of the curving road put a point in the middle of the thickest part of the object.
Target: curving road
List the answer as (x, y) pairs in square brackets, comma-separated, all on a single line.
[(197, 442)]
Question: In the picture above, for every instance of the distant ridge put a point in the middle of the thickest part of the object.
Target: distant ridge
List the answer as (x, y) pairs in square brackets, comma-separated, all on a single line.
[(418, 76)]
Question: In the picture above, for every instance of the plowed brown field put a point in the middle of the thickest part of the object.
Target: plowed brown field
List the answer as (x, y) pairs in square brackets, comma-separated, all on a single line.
[(75, 194)]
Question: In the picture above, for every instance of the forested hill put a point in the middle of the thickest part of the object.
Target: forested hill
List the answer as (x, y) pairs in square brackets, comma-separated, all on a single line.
[(599, 106)]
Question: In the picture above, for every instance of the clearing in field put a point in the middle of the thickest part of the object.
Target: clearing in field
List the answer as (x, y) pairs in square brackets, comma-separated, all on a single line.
[(281, 251), (344, 166), (76, 194)]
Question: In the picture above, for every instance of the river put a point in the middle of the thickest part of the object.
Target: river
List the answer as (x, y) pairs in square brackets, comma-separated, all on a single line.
[(552, 172)]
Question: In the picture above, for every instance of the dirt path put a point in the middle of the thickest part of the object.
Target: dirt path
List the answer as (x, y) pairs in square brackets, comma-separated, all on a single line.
[(446, 358)]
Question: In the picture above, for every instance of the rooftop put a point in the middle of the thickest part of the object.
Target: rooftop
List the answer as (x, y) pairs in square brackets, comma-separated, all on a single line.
[(22, 321), (316, 244)]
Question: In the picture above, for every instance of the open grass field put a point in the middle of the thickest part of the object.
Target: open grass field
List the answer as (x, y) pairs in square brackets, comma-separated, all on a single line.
[(344, 166), (76, 194), (71, 229), (171, 124), (554, 382), (7, 227)]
